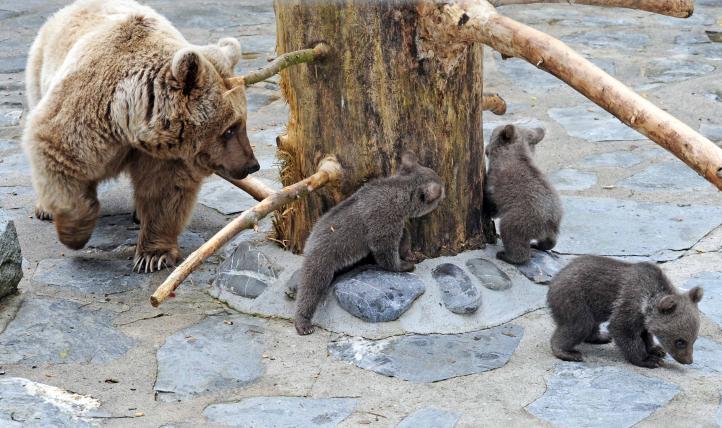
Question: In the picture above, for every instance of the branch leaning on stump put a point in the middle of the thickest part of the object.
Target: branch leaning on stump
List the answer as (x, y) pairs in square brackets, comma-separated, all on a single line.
[(494, 103), (473, 21), (283, 61), (677, 8), (329, 171), (251, 185)]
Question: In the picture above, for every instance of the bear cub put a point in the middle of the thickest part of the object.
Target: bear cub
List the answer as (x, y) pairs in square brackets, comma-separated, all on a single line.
[(637, 299), (518, 193), (371, 221)]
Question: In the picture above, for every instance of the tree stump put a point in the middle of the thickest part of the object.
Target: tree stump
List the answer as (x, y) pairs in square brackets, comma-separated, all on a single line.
[(381, 91)]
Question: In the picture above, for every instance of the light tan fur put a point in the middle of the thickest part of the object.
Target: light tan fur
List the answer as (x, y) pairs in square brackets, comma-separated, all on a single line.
[(113, 87)]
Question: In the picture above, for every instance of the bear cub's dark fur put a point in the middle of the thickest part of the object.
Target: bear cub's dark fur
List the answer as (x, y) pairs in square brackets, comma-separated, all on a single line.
[(637, 299)]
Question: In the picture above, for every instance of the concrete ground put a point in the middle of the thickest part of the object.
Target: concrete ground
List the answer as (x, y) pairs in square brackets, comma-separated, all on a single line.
[(82, 323)]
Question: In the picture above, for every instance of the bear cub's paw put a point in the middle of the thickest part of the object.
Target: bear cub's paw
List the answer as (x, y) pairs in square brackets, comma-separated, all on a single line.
[(303, 326)]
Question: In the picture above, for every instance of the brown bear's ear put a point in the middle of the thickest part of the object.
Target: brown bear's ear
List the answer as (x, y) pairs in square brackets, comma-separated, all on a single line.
[(231, 49), (695, 294), (409, 162), (508, 132), (667, 305), (536, 135), (187, 69)]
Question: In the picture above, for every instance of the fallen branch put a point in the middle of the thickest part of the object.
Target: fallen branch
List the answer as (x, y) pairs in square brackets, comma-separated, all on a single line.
[(494, 103), (677, 8), (473, 21), (329, 170), (283, 61), (251, 185)]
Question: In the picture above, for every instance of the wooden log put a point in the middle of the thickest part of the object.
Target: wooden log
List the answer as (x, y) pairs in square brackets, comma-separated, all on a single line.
[(676, 8), (473, 21), (329, 171), (494, 103), (251, 185)]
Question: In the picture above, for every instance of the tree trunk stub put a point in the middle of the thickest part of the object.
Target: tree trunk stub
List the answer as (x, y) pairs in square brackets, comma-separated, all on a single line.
[(377, 93)]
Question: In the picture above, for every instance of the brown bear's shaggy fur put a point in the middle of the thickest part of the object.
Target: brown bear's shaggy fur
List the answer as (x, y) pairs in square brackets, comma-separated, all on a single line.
[(113, 87)]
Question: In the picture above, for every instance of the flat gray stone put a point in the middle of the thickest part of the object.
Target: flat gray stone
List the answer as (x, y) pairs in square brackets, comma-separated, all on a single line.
[(281, 412), (430, 418), (536, 80), (605, 39), (618, 227), (542, 266), (707, 355), (589, 396), (90, 276), (216, 354), (224, 197), (11, 258), (612, 159), (666, 176), (711, 131), (115, 232), (376, 295), (434, 357), (247, 272), (572, 179), (711, 304), (25, 403), (665, 70), (591, 123), (488, 274), (60, 331), (458, 293)]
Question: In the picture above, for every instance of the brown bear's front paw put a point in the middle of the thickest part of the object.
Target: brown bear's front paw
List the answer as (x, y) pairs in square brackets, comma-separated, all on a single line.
[(42, 214), (152, 261), (303, 326), (657, 351), (405, 266)]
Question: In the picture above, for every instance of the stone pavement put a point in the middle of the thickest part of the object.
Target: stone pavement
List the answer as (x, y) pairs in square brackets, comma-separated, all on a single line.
[(463, 341)]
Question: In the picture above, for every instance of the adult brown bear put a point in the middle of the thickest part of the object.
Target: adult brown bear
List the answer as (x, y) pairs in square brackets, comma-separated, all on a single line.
[(113, 87)]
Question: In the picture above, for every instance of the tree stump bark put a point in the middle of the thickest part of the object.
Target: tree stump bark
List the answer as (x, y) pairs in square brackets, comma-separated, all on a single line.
[(381, 91)]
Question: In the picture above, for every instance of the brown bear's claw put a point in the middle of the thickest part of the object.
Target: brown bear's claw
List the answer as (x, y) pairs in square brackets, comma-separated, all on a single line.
[(152, 262)]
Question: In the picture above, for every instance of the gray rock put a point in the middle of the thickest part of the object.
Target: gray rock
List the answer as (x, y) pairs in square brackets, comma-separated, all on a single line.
[(224, 197), (581, 395), (90, 276), (711, 304), (11, 258), (665, 70), (618, 227), (711, 131), (488, 274), (247, 272), (434, 357), (216, 354), (542, 266), (25, 403), (458, 293), (605, 39), (281, 412), (666, 176), (591, 123), (707, 355), (430, 418), (60, 331), (612, 159), (572, 179), (376, 295)]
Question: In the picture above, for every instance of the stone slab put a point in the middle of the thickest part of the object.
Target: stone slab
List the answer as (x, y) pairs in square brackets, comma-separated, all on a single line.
[(595, 396), (24, 403), (666, 70), (224, 197), (459, 294), (711, 131), (114, 232), (60, 331), (282, 412), (542, 266), (11, 258), (488, 274), (612, 159), (707, 355), (90, 276), (430, 418), (719, 412), (573, 179), (247, 272), (616, 227), (591, 123), (376, 295), (605, 39), (666, 176), (711, 304), (216, 354), (431, 358)]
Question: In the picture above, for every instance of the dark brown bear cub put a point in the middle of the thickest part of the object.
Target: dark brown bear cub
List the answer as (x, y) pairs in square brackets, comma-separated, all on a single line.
[(371, 221), (637, 299), (518, 193)]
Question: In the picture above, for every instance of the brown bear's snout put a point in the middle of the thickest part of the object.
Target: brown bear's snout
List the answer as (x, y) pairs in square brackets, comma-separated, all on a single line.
[(240, 173)]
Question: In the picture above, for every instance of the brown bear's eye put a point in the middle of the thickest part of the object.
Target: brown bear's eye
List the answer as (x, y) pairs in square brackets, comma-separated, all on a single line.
[(230, 132), (680, 343)]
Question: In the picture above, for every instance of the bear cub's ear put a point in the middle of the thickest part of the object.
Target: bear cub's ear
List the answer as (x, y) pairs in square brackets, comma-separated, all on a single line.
[(409, 163), (430, 192), (187, 68), (695, 294), (508, 133), (667, 304), (536, 135)]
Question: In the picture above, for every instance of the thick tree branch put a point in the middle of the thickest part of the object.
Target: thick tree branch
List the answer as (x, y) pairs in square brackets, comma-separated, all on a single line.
[(252, 186), (677, 8), (284, 61), (494, 103), (329, 170)]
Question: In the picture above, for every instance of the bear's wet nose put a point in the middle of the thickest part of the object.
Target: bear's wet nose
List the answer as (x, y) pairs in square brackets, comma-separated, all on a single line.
[(253, 167)]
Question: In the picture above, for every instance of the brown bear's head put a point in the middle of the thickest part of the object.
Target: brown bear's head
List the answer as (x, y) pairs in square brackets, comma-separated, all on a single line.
[(202, 111)]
